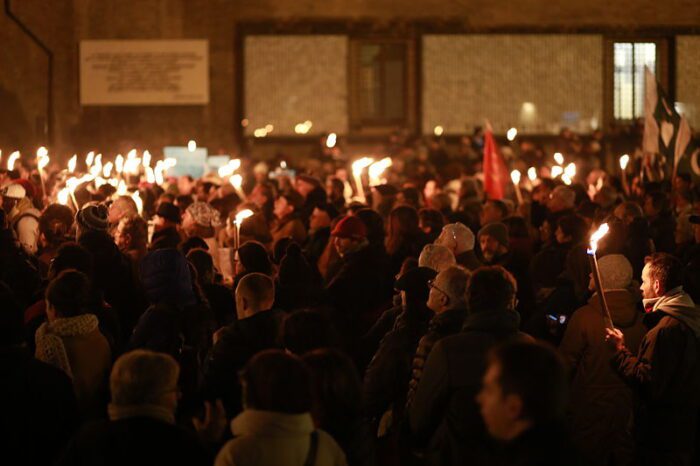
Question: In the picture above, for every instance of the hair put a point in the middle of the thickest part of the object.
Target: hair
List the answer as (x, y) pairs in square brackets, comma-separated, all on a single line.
[(69, 293), (193, 242), (402, 227), (536, 374), (126, 204), (142, 377), (431, 218), (276, 381), (436, 257), (203, 263), (257, 288), (454, 284), (491, 288), (337, 389), (566, 195), (412, 196), (306, 330), (573, 225), (183, 202), (55, 224), (665, 268), (137, 228), (71, 255), (632, 209), (500, 205), (375, 225)]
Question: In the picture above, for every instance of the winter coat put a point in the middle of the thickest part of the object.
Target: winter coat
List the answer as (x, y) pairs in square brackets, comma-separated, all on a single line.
[(602, 404), (444, 416), (316, 243), (357, 292), (222, 304), (389, 371), (541, 445), (468, 260), (137, 441), (665, 372), (237, 343), (38, 407), (290, 226), (165, 239), (662, 229), (270, 438), (441, 325)]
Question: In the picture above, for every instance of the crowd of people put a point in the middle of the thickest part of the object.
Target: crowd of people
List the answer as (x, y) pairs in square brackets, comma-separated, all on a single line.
[(426, 324)]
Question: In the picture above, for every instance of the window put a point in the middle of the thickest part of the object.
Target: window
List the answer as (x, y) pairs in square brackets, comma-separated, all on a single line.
[(630, 58), (379, 82)]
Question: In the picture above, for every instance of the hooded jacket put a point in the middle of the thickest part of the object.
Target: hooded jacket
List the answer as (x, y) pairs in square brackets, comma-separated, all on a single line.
[(266, 437), (666, 372)]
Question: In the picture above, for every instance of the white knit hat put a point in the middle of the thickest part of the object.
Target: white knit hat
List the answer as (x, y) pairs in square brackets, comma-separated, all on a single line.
[(615, 271), (14, 191)]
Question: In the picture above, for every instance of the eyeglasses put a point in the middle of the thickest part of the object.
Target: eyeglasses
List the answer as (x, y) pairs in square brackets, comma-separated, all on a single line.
[(431, 284)]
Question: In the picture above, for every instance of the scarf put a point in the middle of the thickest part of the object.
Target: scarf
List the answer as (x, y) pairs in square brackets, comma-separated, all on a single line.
[(49, 339)]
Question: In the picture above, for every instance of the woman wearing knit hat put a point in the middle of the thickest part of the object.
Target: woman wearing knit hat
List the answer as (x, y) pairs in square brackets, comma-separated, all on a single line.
[(288, 222), (602, 404), (91, 217)]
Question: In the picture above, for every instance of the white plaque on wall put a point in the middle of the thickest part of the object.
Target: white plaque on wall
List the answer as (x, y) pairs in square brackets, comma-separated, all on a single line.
[(144, 72)]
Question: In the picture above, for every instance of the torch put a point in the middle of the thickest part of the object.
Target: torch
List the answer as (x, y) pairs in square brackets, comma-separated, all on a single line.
[(376, 169), (595, 237), (237, 183), (515, 177), (240, 216), (357, 167), (42, 156), (624, 160)]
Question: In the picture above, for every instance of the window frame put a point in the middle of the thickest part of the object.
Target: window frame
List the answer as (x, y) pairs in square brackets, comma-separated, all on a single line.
[(663, 72)]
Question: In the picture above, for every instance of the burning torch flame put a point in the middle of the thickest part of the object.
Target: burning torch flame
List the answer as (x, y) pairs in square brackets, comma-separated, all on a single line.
[(515, 176), (121, 188), (41, 152), (43, 162), (192, 145), (146, 160), (242, 215), (107, 169), (119, 163), (624, 160), (532, 173), (236, 181), (556, 171), (12, 159), (72, 162), (331, 140), (596, 236), (150, 175), (361, 164), (376, 169), (558, 158), (229, 168), (89, 159), (511, 134), (139, 203)]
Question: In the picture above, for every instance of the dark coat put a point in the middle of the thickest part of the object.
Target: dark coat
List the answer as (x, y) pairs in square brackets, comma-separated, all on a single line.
[(602, 404), (389, 371), (444, 415), (662, 229), (137, 441), (221, 302), (665, 372), (237, 343), (468, 260), (357, 292), (316, 244), (441, 325), (165, 238), (545, 445), (39, 409)]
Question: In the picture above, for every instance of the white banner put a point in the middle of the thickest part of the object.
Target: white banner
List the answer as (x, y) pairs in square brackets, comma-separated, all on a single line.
[(144, 72)]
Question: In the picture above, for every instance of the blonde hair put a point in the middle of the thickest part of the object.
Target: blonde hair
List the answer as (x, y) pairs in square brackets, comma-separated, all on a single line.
[(142, 377)]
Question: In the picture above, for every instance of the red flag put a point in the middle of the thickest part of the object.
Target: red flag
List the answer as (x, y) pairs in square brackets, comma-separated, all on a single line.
[(495, 171)]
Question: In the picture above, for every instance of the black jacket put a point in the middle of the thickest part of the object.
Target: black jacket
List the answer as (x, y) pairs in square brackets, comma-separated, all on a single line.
[(136, 441), (165, 238), (666, 374), (389, 371), (441, 326), (444, 415), (38, 406), (543, 445), (237, 344)]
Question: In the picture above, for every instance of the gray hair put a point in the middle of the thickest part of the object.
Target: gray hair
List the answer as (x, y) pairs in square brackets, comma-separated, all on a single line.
[(453, 282), (436, 257), (142, 377), (566, 195)]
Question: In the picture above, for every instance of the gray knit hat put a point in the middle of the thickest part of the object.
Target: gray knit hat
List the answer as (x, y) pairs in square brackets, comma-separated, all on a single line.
[(615, 272), (92, 217), (204, 214)]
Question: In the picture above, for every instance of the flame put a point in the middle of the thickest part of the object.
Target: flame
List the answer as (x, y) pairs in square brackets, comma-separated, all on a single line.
[(121, 188), (511, 134), (72, 162), (229, 168), (438, 130), (377, 168), (12, 159), (361, 164), (558, 158), (41, 152), (89, 159), (596, 236), (236, 181), (146, 160), (532, 173), (242, 215), (192, 145), (131, 154), (150, 175), (158, 172), (107, 169), (331, 140), (624, 160), (169, 162), (556, 171), (139, 203), (63, 195), (119, 163), (570, 170), (42, 162), (515, 177)]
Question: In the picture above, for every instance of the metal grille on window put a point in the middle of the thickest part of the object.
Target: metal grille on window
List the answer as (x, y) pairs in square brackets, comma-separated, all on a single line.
[(630, 60)]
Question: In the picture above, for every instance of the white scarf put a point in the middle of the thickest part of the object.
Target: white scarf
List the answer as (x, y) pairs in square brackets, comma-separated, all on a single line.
[(49, 339)]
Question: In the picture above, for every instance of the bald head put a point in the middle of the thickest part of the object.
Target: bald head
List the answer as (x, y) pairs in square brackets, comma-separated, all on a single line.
[(254, 293)]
